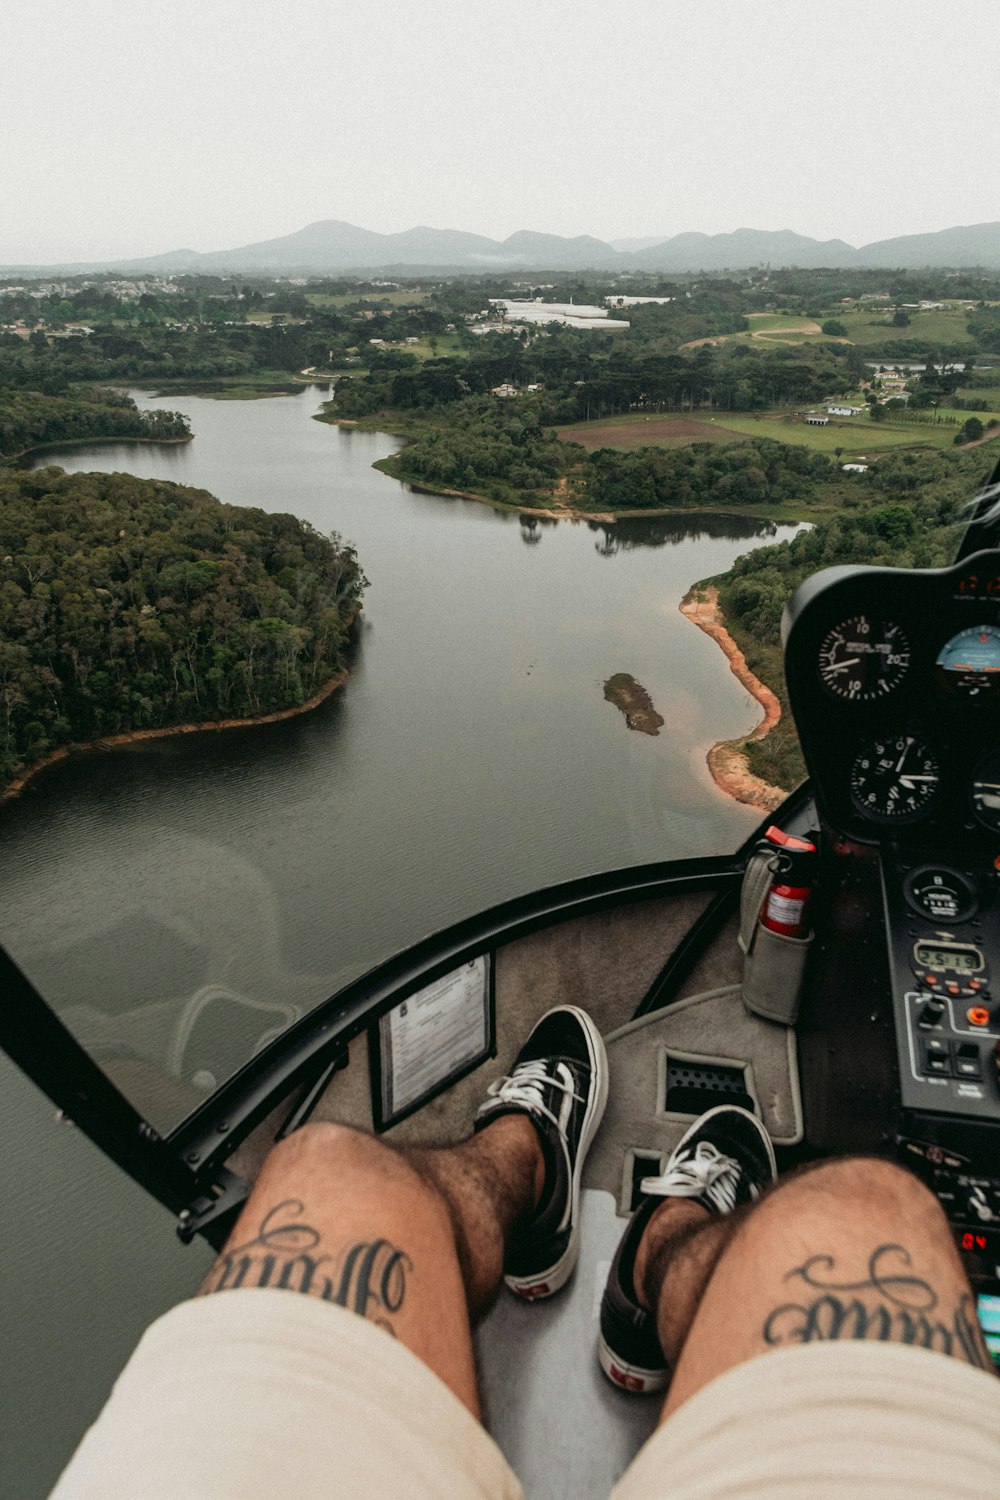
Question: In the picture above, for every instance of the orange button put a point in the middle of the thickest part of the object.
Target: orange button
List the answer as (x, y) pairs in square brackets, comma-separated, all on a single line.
[(931, 979), (978, 1015)]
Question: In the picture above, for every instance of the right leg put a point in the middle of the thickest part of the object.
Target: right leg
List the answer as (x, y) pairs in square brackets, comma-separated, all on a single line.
[(852, 1249)]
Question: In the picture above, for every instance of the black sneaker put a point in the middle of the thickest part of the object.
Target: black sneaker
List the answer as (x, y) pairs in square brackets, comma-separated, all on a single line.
[(723, 1160), (560, 1081)]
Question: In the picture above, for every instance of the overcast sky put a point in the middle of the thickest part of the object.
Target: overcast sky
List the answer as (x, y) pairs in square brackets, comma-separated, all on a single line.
[(130, 129)]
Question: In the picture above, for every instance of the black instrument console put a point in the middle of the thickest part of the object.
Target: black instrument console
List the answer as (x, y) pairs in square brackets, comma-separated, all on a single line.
[(894, 682)]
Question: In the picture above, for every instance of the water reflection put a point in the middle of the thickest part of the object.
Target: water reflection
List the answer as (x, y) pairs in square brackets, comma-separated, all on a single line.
[(659, 531)]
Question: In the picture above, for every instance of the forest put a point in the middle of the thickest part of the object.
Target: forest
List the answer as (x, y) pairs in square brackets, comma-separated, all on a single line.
[(29, 419), (132, 604)]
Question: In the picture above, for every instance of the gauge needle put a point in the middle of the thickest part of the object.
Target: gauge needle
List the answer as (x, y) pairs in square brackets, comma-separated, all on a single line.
[(906, 749), (908, 780), (842, 666)]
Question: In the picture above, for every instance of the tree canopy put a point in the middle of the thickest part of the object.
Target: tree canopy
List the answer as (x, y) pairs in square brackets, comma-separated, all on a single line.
[(129, 604)]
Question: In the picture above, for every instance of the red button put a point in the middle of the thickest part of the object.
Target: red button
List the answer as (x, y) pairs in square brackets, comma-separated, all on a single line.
[(978, 1015)]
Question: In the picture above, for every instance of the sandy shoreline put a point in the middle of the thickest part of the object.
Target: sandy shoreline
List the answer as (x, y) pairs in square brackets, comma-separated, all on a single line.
[(726, 760)]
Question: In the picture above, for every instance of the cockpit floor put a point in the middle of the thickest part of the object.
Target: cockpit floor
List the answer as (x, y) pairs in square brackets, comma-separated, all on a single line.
[(564, 1429)]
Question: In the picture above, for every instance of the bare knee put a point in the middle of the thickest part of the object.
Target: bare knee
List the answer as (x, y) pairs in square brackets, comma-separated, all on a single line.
[(340, 1162), (862, 1188), (322, 1146)]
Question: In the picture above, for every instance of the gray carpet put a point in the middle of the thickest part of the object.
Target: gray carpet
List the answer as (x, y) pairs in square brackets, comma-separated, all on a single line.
[(565, 1430)]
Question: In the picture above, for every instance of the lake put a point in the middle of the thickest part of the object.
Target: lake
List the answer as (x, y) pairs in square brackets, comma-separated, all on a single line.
[(471, 756)]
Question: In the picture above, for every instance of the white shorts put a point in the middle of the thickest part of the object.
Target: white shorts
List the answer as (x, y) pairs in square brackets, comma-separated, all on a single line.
[(260, 1394)]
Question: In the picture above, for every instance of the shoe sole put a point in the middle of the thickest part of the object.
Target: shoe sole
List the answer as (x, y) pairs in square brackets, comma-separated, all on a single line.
[(545, 1283), (631, 1378)]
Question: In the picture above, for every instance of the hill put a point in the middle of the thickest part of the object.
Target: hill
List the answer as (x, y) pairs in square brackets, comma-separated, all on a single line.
[(332, 245)]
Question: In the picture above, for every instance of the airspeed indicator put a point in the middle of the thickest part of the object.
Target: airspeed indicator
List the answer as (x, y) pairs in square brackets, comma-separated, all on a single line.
[(861, 660)]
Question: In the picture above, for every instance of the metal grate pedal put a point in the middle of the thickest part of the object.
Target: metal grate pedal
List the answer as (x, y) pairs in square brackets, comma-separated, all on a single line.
[(693, 1087)]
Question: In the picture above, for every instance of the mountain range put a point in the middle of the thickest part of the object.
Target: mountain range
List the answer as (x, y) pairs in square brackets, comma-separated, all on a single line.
[(333, 246)]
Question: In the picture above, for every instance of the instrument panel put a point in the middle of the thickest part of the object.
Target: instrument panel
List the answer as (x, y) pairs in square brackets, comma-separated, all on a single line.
[(894, 682)]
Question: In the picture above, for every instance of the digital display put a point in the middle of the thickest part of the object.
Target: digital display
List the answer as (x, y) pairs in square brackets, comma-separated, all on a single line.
[(959, 960), (988, 1311)]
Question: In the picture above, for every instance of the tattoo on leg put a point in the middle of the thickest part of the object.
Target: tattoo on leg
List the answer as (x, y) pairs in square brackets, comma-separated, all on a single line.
[(890, 1303), (367, 1277)]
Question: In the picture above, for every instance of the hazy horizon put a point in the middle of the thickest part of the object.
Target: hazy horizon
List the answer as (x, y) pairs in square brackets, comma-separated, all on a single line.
[(137, 132)]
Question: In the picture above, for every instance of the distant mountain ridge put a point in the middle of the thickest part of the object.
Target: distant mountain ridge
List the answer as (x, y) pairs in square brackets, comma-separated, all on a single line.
[(332, 246)]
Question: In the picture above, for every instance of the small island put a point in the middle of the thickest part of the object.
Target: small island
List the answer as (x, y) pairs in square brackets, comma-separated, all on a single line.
[(133, 608), (635, 703)]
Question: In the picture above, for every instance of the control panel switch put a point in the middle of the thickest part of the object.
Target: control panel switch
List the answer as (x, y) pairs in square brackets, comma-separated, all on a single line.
[(967, 1061), (937, 1057)]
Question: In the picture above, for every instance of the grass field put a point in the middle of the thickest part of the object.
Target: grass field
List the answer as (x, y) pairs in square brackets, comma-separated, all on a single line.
[(856, 439), (937, 327), (867, 328), (446, 343)]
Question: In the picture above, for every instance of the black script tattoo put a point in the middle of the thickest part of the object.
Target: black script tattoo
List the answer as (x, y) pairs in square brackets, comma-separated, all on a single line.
[(891, 1304), (367, 1277)]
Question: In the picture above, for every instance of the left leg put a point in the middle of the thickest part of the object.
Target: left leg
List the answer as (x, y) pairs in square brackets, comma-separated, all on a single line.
[(413, 1241), (416, 1240), (261, 1395)]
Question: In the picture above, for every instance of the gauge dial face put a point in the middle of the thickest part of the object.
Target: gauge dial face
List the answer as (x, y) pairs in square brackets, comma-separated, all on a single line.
[(895, 780), (862, 659), (986, 792), (970, 661)]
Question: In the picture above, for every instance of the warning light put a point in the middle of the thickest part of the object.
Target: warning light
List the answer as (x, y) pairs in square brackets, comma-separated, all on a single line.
[(973, 1241), (978, 1015)]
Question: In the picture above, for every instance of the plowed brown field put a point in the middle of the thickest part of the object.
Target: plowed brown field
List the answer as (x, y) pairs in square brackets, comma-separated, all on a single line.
[(664, 432)]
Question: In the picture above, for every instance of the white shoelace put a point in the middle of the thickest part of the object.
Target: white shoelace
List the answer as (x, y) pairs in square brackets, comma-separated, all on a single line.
[(526, 1086), (702, 1173)]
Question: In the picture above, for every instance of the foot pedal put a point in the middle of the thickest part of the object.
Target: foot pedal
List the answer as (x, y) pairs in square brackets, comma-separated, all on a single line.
[(690, 1085)]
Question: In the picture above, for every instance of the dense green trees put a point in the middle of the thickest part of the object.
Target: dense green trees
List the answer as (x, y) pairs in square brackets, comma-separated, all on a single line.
[(29, 418), (702, 474), (493, 446), (128, 604)]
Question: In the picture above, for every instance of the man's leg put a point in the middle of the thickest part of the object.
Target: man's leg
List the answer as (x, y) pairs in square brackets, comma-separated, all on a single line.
[(853, 1257), (719, 1264), (413, 1241), (259, 1394), (416, 1240), (852, 1249)]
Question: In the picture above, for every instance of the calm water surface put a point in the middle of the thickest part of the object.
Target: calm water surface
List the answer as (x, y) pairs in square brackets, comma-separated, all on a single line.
[(470, 757)]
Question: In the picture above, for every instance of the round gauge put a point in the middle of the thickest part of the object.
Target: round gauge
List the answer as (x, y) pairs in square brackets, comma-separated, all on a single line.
[(894, 780), (862, 659), (970, 661), (986, 792), (941, 894)]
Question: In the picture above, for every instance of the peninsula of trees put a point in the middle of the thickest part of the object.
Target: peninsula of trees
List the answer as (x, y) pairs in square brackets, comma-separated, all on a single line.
[(32, 419), (130, 604)]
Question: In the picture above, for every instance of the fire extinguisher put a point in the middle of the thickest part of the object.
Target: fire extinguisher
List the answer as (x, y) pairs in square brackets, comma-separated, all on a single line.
[(784, 909)]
